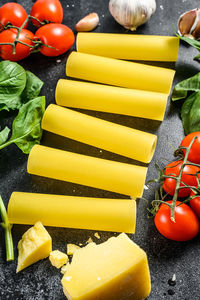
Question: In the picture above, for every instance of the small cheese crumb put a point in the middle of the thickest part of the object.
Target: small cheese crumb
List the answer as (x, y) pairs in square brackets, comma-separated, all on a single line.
[(58, 258), (89, 240), (64, 268), (71, 248), (97, 235)]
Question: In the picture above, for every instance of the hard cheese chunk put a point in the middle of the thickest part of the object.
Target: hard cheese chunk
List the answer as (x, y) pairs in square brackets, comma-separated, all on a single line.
[(114, 270), (58, 258), (35, 244), (71, 248)]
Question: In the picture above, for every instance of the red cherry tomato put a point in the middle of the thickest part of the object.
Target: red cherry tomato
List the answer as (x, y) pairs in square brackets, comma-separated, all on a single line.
[(173, 169), (194, 154), (22, 51), (12, 13), (185, 227), (195, 204), (47, 10), (58, 36)]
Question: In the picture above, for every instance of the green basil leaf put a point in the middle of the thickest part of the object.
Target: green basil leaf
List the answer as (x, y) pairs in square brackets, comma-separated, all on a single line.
[(191, 42), (197, 57), (4, 135), (26, 129), (190, 113), (13, 103), (32, 88), (12, 83), (181, 90)]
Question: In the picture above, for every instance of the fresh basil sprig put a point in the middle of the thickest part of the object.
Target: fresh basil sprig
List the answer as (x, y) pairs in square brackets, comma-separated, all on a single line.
[(190, 113), (4, 135), (19, 90), (12, 84), (189, 90), (32, 88), (26, 129), (7, 229), (17, 86), (191, 42), (181, 90)]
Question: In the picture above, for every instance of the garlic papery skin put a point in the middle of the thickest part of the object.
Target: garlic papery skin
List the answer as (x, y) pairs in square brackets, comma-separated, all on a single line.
[(132, 13), (189, 24)]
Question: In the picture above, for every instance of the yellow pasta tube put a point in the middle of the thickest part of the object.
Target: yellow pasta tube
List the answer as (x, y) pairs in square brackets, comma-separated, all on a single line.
[(109, 136), (73, 212), (95, 172), (85, 95), (119, 73), (129, 46)]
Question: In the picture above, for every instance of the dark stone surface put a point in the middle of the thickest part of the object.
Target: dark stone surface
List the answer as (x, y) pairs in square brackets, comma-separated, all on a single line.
[(41, 280)]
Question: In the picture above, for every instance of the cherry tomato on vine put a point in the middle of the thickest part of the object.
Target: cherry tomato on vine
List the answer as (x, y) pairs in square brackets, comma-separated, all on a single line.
[(188, 177), (58, 36), (185, 227), (22, 51), (47, 10), (195, 204), (12, 13), (194, 154)]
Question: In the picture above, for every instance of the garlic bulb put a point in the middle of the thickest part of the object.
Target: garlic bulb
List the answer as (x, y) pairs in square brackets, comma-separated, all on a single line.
[(189, 24), (132, 13)]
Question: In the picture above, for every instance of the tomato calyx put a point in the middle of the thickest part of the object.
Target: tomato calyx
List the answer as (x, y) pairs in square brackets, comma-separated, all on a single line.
[(179, 152), (179, 185)]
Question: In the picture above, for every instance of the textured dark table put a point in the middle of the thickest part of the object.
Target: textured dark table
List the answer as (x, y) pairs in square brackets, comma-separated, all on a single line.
[(41, 280)]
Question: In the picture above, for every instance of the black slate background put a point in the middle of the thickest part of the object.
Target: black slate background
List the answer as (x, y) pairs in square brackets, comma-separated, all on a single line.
[(41, 280)]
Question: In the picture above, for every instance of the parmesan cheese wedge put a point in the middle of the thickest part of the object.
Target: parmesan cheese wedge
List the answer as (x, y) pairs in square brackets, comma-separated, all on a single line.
[(35, 245), (114, 270)]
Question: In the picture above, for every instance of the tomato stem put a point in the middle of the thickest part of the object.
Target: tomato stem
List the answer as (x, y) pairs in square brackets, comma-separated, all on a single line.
[(160, 201), (25, 44), (41, 23), (159, 197), (18, 34), (37, 43), (11, 44), (178, 180)]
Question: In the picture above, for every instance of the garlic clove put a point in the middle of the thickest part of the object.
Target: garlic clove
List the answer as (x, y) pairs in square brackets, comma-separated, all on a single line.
[(189, 24), (88, 23), (196, 32)]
